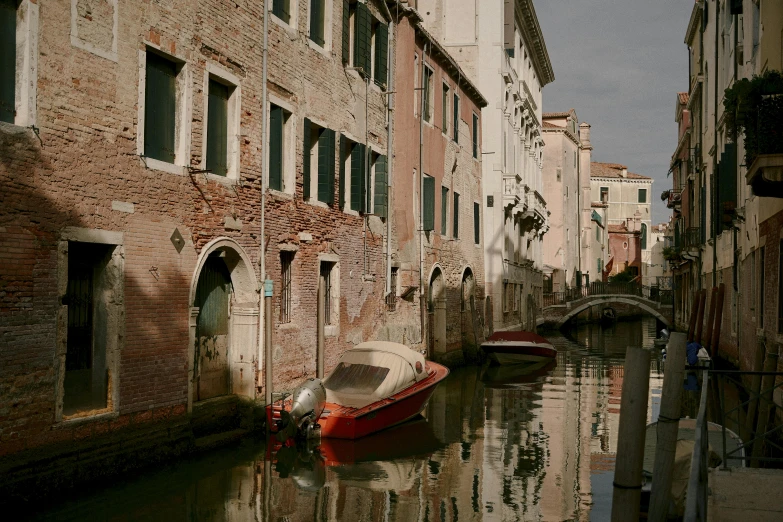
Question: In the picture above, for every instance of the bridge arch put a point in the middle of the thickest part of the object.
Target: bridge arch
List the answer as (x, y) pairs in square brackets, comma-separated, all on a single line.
[(639, 303)]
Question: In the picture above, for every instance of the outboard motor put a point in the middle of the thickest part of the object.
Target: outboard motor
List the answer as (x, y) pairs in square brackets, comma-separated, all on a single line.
[(307, 404)]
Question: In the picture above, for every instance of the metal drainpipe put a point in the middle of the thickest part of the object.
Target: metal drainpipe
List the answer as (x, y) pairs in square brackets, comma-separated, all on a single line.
[(715, 162), (367, 177), (263, 350), (422, 299), (389, 151)]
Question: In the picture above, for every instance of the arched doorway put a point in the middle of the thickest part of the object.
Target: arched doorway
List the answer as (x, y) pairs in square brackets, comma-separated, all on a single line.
[(436, 308), (223, 323), (471, 324)]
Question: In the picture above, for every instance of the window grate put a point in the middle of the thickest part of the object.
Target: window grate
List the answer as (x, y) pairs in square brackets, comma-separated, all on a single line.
[(391, 299), (326, 274), (286, 261)]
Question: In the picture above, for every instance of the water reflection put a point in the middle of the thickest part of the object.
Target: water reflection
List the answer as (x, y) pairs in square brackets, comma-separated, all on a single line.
[(495, 445)]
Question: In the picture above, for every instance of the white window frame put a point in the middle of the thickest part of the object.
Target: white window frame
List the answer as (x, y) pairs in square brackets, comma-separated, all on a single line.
[(26, 77), (289, 145), (327, 47), (333, 329), (221, 75), (79, 43), (313, 199), (184, 97), (293, 11), (353, 141)]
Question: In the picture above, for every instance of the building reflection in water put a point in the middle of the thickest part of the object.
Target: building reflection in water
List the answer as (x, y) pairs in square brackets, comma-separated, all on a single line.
[(494, 446)]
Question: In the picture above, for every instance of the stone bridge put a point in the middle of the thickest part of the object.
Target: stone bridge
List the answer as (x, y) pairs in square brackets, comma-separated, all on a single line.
[(557, 315)]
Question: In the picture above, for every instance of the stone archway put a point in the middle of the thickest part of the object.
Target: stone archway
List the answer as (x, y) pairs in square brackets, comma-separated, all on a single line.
[(436, 313), (222, 352), (471, 323)]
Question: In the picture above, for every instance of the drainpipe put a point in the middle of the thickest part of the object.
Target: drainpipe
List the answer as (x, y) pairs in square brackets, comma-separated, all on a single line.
[(422, 299), (716, 206), (389, 150), (265, 348)]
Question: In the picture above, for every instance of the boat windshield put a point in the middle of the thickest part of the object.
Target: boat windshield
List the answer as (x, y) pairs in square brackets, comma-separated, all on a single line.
[(355, 378)]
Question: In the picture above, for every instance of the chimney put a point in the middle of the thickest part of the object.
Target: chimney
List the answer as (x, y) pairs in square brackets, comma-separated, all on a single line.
[(624, 173), (584, 135)]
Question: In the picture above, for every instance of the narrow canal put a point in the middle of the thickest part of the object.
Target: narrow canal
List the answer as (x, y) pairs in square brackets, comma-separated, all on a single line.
[(494, 446)]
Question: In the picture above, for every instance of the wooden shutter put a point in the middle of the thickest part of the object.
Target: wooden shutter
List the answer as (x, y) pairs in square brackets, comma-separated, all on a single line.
[(381, 50), (444, 106), (426, 93), (456, 215), (508, 24), (476, 223), (160, 108), (429, 203), (363, 39), (346, 31), (727, 187), (456, 119), (444, 205), (475, 136), (217, 128), (363, 179), (326, 166), (317, 21), (381, 180), (276, 147), (357, 174), (343, 146), (306, 160), (7, 61)]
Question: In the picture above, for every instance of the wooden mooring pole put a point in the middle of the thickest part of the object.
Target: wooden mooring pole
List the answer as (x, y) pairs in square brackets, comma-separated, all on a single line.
[(714, 342), (668, 426), (700, 316), (755, 389), (630, 442), (710, 318), (765, 405), (694, 315)]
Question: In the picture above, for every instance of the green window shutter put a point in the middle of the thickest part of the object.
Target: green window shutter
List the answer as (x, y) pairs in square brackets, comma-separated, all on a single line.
[(280, 8), (276, 148), (217, 128), (7, 61), (346, 31), (727, 187), (343, 145), (326, 166), (363, 39), (381, 180), (444, 106), (426, 93), (317, 21), (363, 180), (456, 215), (476, 223), (644, 236), (444, 203), (381, 50), (306, 161), (475, 136), (357, 170), (429, 203), (160, 108), (642, 195), (456, 119)]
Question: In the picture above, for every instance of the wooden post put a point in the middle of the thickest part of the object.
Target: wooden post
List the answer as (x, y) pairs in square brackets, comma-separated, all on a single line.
[(700, 316), (715, 342), (630, 443), (755, 389), (694, 314), (668, 426), (710, 318), (765, 403), (320, 320)]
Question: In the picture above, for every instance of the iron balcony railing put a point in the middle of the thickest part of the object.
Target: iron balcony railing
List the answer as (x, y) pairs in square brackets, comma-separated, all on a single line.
[(657, 293), (692, 237)]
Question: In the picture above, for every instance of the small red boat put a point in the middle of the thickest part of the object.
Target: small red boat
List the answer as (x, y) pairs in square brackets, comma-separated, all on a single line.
[(375, 385), (518, 347)]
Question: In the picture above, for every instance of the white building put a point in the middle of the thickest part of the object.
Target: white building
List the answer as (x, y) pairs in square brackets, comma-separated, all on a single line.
[(501, 47)]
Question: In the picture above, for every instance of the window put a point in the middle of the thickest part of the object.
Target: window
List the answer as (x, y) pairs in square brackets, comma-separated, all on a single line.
[(762, 287), (326, 276), (18, 61), (282, 10), (643, 237), (642, 195), (286, 261), (456, 119), (353, 175), (445, 109), (365, 41), (476, 223), (517, 293), (160, 108), (391, 299), (428, 94), (599, 268), (318, 163), (318, 22), (429, 203), (598, 234), (506, 296), (604, 194), (380, 45), (380, 194), (280, 149), (217, 128), (475, 136), (444, 203), (455, 216)]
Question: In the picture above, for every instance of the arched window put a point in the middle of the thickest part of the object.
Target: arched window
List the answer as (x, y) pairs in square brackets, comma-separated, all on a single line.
[(644, 236)]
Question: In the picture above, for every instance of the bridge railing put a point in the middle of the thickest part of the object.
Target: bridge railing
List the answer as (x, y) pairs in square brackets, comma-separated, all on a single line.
[(596, 288)]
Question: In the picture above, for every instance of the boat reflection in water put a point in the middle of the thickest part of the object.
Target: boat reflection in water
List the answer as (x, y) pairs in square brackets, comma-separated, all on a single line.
[(510, 375)]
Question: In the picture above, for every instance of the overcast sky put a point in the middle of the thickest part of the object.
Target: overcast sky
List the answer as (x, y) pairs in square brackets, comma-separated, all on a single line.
[(619, 64)]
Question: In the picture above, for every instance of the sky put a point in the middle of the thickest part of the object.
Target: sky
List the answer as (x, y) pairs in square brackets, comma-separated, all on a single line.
[(620, 64)]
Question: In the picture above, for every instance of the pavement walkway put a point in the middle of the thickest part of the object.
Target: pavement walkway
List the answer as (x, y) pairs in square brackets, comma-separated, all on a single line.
[(745, 494)]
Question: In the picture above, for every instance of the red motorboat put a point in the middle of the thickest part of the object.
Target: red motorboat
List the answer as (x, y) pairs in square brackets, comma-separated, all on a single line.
[(375, 385), (518, 347)]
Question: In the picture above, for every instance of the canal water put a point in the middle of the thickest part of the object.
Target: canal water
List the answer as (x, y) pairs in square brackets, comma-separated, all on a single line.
[(494, 445)]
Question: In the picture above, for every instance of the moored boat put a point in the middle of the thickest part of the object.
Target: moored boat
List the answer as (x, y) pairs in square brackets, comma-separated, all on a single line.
[(518, 347), (374, 386)]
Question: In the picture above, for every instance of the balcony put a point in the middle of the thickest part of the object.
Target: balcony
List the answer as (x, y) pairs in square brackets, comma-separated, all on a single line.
[(691, 243), (513, 191), (535, 217), (674, 201)]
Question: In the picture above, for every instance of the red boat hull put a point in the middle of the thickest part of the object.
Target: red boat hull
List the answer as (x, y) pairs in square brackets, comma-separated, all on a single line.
[(341, 422), (518, 347)]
